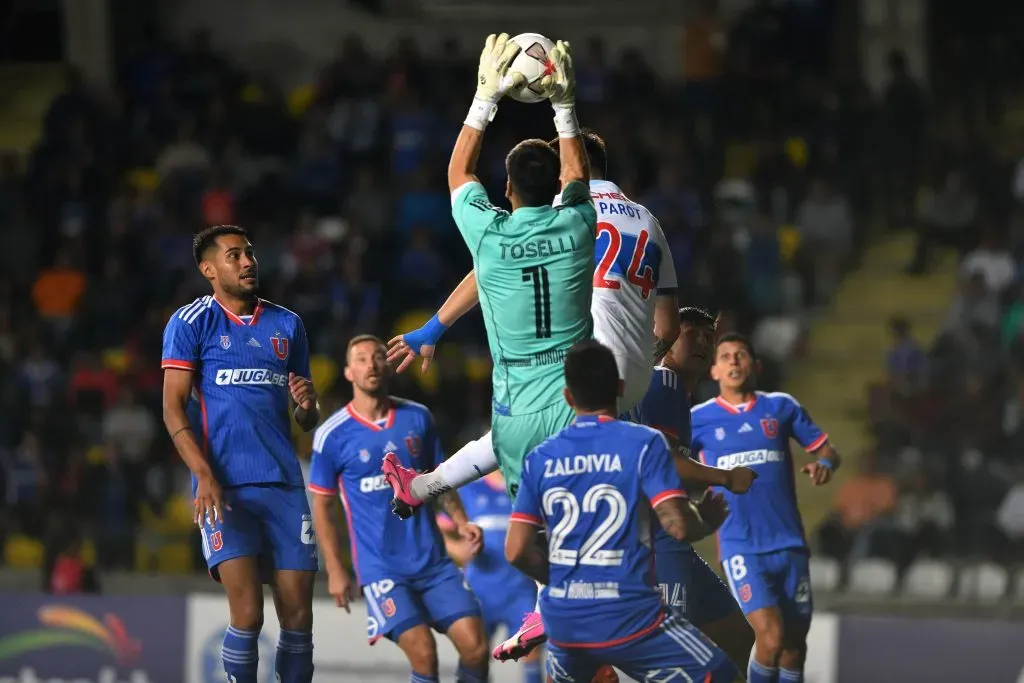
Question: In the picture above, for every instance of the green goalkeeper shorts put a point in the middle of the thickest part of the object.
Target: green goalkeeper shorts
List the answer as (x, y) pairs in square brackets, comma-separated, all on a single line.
[(515, 436)]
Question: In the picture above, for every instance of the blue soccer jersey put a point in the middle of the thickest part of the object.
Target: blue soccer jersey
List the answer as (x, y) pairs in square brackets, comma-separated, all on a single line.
[(240, 398), (593, 486), (756, 435), (665, 407), (348, 450)]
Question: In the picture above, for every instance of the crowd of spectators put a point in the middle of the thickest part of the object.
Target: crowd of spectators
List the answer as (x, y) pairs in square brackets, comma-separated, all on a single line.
[(945, 479), (758, 165)]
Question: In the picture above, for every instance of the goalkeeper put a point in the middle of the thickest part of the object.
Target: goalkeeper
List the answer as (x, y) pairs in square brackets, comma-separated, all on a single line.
[(533, 267)]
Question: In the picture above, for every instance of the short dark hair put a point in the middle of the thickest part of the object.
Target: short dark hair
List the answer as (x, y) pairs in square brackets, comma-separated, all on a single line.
[(698, 317), (597, 152), (359, 339), (591, 376), (207, 238), (738, 339), (533, 171)]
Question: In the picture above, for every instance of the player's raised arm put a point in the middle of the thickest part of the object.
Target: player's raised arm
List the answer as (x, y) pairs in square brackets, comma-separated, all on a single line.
[(562, 86), (814, 441), (404, 348), (493, 81), (679, 516)]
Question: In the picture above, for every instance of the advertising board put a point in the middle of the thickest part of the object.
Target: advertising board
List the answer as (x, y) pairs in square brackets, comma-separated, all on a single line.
[(893, 649), (91, 639)]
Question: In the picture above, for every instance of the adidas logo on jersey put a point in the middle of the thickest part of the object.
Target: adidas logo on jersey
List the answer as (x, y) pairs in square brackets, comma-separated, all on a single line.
[(390, 447), (746, 428), (254, 343)]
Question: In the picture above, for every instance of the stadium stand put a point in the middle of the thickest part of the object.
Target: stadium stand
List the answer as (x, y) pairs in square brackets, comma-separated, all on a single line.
[(785, 201)]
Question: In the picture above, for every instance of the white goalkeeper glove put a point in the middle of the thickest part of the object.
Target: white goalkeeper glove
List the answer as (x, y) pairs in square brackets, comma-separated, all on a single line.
[(493, 79), (561, 84)]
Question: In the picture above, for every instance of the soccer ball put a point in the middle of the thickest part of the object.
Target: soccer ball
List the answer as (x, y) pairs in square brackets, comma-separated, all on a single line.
[(534, 63)]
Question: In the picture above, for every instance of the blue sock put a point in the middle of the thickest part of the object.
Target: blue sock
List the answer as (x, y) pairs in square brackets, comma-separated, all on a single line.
[(240, 654), (759, 673), (464, 674), (423, 678), (531, 672), (790, 676), (294, 663)]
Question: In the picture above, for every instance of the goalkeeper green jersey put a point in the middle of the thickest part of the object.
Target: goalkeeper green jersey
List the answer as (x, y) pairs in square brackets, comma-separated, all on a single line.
[(534, 273)]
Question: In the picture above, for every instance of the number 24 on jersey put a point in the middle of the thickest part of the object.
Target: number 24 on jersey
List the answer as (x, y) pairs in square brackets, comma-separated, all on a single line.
[(636, 271)]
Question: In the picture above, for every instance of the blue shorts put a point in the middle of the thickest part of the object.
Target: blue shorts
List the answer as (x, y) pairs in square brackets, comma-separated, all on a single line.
[(777, 579), (690, 586), (269, 522), (505, 606), (673, 651), (393, 606)]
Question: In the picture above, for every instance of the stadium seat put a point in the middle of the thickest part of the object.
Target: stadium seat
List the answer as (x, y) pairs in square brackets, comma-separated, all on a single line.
[(1019, 588), (929, 579), (174, 558), (325, 372), (22, 552), (872, 577), (985, 582), (825, 574)]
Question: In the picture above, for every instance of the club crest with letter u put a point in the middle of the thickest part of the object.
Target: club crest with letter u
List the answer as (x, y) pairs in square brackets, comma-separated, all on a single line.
[(280, 345)]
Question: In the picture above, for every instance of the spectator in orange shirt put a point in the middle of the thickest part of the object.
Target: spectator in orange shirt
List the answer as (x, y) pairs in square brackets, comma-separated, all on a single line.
[(58, 291), (703, 50), (863, 504)]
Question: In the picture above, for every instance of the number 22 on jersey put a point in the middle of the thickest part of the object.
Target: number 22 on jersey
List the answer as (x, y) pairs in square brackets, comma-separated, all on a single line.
[(637, 271)]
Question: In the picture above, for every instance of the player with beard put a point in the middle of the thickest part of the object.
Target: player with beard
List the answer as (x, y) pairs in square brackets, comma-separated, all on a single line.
[(233, 366)]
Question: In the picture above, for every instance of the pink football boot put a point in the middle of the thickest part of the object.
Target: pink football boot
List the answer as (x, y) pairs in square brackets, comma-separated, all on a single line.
[(530, 635), (400, 478)]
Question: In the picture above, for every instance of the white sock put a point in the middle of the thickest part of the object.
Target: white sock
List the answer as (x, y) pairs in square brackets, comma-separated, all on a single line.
[(473, 461)]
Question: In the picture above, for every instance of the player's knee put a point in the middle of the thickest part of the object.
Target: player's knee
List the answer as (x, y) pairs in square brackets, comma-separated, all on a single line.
[(421, 651), (247, 615), (296, 617), (473, 648), (768, 641)]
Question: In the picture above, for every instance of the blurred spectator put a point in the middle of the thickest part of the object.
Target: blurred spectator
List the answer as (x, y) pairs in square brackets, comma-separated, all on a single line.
[(593, 73), (973, 305), (906, 362), (904, 116), (27, 481), (864, 504), (129, 429), (948, 219), (994, 262), (65, 572), (924, 520), (58, 291), (1010, 517), (826, 231)]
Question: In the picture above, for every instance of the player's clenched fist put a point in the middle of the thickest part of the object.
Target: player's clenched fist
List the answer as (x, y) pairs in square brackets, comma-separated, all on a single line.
[(302, 391), (740, 479), (473, 535), (493, 77)]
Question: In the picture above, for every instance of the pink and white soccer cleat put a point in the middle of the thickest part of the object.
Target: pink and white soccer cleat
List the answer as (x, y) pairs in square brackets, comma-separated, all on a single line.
[(400, 478), (530, 635)]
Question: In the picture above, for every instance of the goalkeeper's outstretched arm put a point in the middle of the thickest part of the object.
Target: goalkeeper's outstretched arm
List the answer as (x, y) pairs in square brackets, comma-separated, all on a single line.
[(462, 165), (562, 88)]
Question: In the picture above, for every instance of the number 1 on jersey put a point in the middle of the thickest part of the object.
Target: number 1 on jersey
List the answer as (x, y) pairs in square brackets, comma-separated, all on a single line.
[(638, 273), (538, 276)]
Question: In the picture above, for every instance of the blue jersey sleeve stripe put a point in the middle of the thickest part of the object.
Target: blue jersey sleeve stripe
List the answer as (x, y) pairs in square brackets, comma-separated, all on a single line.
[(321, 491), (325, 430), (667, 495), (177, 364), (190, 314)]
